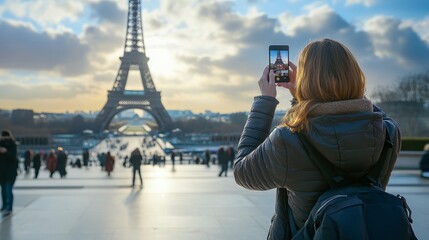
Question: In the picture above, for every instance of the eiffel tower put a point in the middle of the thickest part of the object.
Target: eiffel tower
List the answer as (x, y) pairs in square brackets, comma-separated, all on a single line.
[(134, 59)]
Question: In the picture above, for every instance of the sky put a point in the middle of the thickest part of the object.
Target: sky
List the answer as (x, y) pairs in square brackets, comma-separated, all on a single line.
[(61, 55)]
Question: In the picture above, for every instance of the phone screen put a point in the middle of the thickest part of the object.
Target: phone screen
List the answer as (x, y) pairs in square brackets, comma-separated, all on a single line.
[(279, 62)]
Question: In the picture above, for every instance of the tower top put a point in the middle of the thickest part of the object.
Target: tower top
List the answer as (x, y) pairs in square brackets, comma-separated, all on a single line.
[(279, 60), (134, 37)]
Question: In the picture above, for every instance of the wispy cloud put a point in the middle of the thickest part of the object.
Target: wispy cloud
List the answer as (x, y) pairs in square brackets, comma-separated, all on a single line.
[(203, 54), (366, 3)]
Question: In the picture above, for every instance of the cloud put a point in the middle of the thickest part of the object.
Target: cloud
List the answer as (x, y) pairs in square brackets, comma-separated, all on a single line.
[(421, 27), (41, 91), (366, 3), (321, 20), (232, 48), (23, 48), (393, 40), (51, 14), (203, 54), (107, 11)]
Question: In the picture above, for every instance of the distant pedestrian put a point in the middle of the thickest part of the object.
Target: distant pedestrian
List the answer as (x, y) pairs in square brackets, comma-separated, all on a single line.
[(8, 170), (222, 158), (173, 158), (125, 162), (51, 163), (28, 156), (136, 161), (109, 163), (78, 163), (101, 159), (424, 162), (181, 158), (37, 163), (231, 156), (207, 158), (85, 157), (62, 162)]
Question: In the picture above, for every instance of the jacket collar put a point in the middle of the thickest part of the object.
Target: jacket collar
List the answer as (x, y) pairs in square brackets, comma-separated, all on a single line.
[(341, 107)]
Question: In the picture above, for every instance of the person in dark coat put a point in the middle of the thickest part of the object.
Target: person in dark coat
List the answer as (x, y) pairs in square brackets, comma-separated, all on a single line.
[(330, 109), (424, 162), (181, 158), (109, 163), (102, 159), (207, 157), (28, 155), (8, 170), (37, 163), (85, 157), (222, 158), (62, 162), (173, 158), (231, 156), (136, 161)]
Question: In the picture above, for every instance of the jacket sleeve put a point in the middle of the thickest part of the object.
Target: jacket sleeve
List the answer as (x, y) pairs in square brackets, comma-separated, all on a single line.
[(260, 163), (394, 135)]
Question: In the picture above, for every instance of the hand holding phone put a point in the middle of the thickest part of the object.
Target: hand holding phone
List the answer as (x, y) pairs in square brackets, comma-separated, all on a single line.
[(279, 62), (266, 83)]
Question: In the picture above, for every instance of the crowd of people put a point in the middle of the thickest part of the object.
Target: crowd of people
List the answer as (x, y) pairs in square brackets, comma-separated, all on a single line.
[(57, 160)]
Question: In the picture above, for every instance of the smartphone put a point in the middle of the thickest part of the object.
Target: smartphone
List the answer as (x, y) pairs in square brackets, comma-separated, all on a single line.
[(279, 62)]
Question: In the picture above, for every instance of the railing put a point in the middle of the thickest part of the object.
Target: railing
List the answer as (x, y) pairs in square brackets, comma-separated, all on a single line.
[(409, 160)]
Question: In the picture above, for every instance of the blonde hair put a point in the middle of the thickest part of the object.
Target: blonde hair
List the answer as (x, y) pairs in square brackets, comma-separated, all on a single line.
[(327, 72), (426, 147)]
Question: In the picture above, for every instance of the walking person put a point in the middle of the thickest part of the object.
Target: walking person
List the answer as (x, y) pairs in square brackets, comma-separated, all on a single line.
[(28, 156), (109, 163), (62, 162), (51, 163), (231, 156), (37, 163), (136, 161), (173, 158), (207, 157), (330, 110), (222, 158), (8, 170), (102, 160), (85, 157)]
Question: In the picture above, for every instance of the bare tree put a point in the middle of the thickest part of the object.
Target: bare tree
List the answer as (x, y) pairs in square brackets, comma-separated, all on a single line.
[(407, 103)]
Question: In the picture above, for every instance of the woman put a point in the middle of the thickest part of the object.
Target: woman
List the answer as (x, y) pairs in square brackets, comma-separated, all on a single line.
[(8, 170), (136, 161), (330, 109), (51, 163), (109, 163)]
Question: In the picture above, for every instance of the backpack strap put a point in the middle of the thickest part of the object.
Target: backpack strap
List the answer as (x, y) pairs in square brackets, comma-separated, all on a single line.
[(332, 176)]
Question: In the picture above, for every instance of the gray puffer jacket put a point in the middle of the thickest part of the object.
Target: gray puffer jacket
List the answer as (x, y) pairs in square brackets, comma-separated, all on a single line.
[(349, 133)]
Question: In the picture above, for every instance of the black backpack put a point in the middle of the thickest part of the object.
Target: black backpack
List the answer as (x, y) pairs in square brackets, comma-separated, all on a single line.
[(354, 209)]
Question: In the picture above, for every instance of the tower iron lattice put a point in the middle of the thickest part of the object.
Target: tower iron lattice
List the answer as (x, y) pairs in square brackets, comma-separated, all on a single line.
[(134, 59)]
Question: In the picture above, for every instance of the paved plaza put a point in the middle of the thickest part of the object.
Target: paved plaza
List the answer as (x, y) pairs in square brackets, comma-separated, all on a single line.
[(189, 203)]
